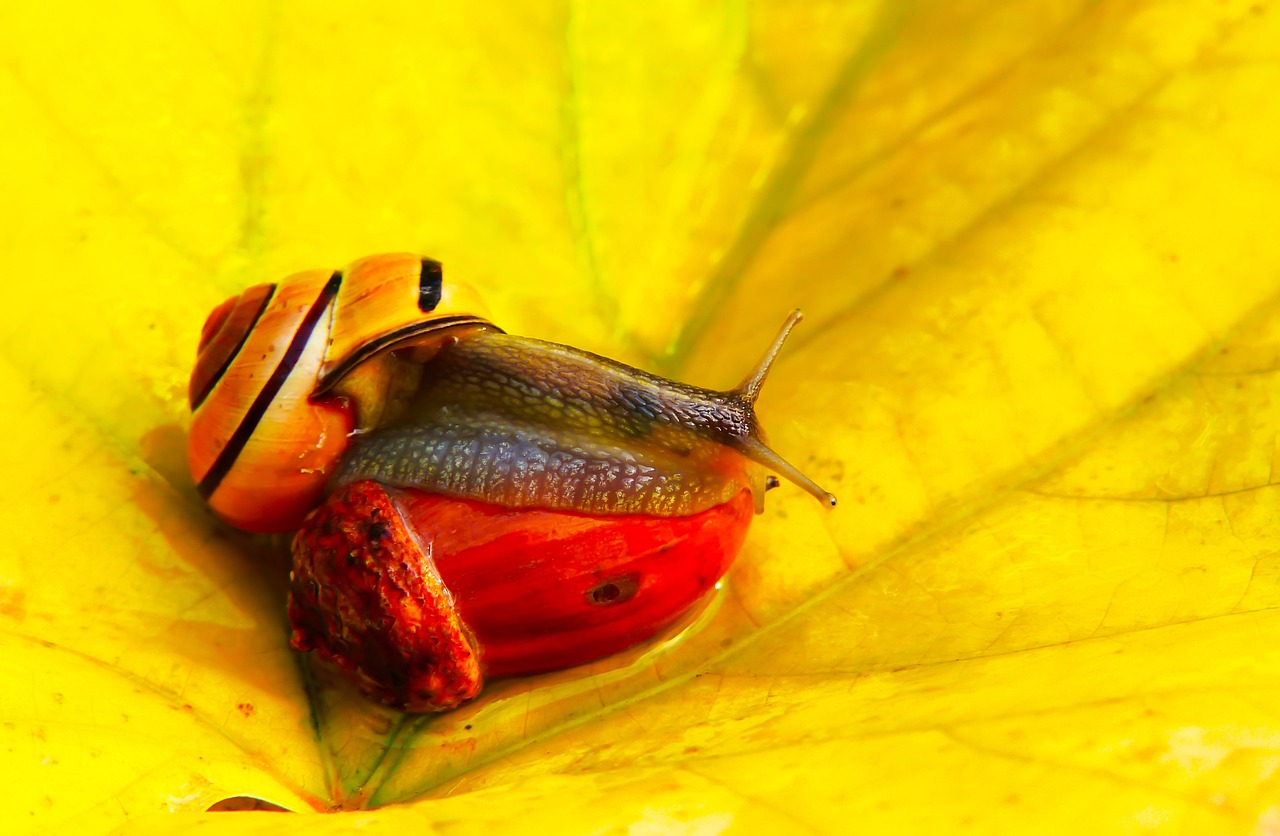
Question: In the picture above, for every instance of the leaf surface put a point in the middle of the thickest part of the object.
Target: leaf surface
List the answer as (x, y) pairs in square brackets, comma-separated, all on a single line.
[(1034, 244)]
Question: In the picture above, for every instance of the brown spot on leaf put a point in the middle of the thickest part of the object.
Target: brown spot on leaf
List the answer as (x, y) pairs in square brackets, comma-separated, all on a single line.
[(243, 803), (13, 602)]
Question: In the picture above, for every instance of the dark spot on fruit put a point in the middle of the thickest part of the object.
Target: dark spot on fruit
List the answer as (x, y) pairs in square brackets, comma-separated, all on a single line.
[(614, 591), (467, 727), (246, 708), (376, 531)]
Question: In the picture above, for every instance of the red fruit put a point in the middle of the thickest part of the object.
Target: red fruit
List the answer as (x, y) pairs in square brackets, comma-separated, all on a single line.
[(419, 596)]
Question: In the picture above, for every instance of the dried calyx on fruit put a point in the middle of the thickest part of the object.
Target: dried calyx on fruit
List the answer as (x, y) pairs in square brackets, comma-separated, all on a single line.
[(468, 503)]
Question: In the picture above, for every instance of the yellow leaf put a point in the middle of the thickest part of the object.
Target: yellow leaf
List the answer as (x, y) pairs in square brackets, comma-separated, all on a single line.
[(1035, 244)]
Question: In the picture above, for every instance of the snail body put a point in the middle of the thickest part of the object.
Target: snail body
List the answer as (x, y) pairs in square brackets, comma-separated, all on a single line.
[(468, 503)]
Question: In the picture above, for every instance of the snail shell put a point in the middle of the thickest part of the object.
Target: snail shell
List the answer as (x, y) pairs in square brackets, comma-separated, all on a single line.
[(264, 437)]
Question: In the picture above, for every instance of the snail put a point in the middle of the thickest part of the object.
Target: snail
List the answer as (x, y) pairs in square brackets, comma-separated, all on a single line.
[(468, 504)]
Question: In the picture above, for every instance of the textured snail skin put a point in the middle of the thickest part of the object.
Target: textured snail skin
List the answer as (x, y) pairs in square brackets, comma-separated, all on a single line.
[(419, 596), (531, 424)]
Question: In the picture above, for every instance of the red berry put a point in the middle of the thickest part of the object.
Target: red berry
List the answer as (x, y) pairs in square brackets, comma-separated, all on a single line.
[(417, 595)]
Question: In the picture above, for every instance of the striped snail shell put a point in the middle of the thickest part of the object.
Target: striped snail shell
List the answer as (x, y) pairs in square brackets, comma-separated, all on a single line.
[(264, 437)]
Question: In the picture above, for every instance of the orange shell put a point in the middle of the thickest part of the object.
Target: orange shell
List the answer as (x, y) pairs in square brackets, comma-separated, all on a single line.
[(394, 300), (263, 443)]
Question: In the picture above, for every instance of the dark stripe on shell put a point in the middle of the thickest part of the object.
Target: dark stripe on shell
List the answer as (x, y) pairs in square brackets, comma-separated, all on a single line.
[(430, 285), (206, 386), (394, 338), (228, 455)]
